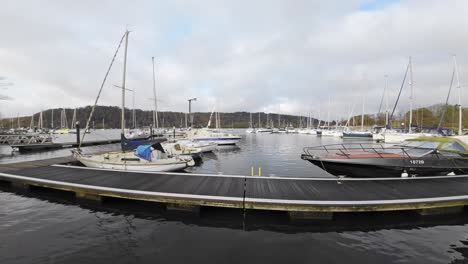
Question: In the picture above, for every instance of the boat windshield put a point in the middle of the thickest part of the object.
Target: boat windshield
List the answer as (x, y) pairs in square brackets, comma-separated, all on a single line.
[(420, 144), (453, 146)]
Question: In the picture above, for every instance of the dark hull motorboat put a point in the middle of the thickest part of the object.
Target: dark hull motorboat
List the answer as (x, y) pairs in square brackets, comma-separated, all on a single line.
[(380, 162), (357, 134), (389, 167)]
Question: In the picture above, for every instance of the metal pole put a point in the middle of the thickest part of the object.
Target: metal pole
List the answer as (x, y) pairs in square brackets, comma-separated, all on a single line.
[(78, 134), (190, 111), (123, 84), (411, 96), (460, 129), (155, 113)]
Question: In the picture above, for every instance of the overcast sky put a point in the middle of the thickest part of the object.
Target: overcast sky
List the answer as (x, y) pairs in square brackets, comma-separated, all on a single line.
[(263, 55)]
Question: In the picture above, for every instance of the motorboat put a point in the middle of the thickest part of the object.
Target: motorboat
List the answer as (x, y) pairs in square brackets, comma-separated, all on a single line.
[(430, 156), (250, 130), (211, 136), (138, 133), (181, 150), (203, 146), (332, 133), (264, 131), (291, 130), (282, 130), (395, 136), (357, 134)]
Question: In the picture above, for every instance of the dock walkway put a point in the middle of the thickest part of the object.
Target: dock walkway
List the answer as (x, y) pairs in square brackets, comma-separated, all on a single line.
[(265, 193)]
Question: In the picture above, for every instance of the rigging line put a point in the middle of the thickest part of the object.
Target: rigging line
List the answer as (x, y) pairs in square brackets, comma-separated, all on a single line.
[(381, 102), (444, 110), (399, 93), (100, 90)]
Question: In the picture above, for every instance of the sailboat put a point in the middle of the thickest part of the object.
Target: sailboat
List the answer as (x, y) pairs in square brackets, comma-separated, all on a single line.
[(261, 130), (358, 134), (73, 123), (208, 135), (63, 124), (250, 129), (147, 157), (388, 135)]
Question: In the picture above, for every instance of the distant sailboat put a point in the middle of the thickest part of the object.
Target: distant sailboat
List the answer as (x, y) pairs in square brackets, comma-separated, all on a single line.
[(63, 124), (250, 129), (389, 135)]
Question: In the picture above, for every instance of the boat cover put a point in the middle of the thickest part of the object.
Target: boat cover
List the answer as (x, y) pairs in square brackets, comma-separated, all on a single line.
[(144, 152)]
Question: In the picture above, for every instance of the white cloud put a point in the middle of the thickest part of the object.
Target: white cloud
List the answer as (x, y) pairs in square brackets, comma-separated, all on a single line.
[(240, 55)]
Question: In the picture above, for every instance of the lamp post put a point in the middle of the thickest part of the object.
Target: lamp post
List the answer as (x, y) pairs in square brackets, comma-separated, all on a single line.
[(190, 111)]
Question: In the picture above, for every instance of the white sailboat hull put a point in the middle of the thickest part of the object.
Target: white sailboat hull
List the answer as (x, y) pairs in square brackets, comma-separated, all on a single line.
[(398, 137), (116, 163), (250, 130)]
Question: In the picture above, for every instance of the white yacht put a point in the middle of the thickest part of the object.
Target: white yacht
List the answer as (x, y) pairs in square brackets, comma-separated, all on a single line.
[(264, 131), (207, 135)]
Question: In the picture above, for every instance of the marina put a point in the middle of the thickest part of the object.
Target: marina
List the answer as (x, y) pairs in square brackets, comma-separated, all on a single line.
[(234, 132), (303, 196)]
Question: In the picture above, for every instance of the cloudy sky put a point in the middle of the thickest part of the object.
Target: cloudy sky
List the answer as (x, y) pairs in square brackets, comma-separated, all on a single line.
[(263, 55)]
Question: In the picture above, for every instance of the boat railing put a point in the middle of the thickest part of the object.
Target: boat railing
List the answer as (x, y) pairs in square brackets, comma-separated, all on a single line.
[(347, 149)]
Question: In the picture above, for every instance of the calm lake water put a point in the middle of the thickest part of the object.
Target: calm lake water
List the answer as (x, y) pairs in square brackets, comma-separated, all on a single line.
[(49, 228)]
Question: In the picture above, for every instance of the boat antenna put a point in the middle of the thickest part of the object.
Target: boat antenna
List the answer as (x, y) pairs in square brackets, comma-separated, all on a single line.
[(100, 90), (399, 93)]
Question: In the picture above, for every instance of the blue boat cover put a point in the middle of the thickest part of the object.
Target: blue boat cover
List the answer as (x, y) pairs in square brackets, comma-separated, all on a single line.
[(144, 152)]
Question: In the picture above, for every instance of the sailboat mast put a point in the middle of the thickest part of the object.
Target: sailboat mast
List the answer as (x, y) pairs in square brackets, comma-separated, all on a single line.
[(155, 113), (362, 114), (52, 120), (328, 114), (460, 128), (279, 120), (259, 120), (133, 113), (386, 100), (123, 83), (411, 95), (318, 124)]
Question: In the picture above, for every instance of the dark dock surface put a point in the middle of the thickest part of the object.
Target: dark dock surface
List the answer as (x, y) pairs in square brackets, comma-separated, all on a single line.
[(266, 193), (51, 145)]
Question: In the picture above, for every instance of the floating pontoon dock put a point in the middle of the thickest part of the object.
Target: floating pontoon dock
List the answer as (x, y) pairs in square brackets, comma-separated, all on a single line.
[(297, 196), (51, 145)]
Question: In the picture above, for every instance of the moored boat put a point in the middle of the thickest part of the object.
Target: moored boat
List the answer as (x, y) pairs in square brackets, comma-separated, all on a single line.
[(211, 136), (155, 161), (419, 157), (264, 131), (357, 134)]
